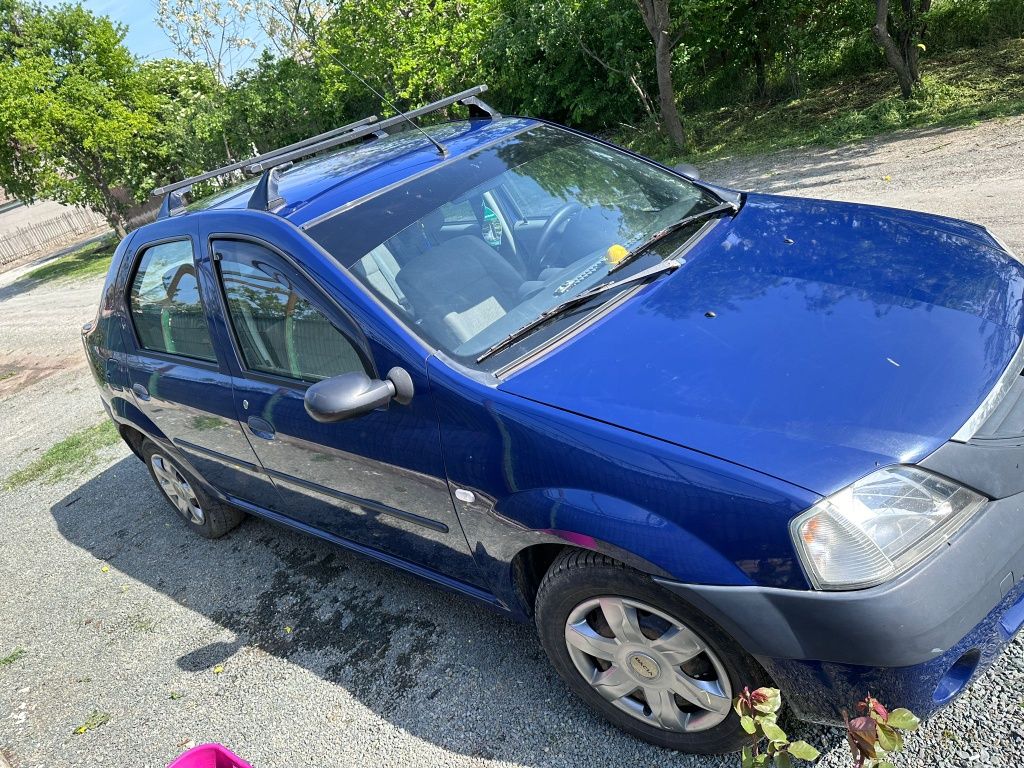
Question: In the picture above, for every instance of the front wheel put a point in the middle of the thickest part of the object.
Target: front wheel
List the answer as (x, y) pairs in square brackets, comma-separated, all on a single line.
[(642, 657)]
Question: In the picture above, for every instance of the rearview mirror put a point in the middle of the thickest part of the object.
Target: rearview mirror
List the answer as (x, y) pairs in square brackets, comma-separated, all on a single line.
[(689, 171), (353, 394)]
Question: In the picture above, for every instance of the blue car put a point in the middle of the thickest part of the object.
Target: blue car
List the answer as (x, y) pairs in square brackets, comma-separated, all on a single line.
[(703, 439)]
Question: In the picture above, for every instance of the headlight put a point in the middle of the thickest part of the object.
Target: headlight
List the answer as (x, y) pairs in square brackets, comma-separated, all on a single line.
[(878, 527)]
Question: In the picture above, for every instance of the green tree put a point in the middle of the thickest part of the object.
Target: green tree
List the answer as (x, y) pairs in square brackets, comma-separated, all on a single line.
[(899, 32), (77, 123)]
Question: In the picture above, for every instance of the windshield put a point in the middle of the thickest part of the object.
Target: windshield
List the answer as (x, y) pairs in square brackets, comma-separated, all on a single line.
[(478, 247)]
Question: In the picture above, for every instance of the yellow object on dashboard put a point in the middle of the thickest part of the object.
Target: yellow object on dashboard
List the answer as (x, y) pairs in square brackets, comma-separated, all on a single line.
[(616, 253)]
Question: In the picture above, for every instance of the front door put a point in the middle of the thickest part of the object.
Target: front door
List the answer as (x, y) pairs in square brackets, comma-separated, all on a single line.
[(377, 480), (175, 377)]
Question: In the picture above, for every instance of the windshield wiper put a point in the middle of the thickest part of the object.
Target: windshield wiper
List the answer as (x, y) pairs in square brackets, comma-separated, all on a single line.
[(581, 298), (726, 207)]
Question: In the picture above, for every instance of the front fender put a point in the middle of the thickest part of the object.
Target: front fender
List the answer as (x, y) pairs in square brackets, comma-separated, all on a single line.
[(623, 530)]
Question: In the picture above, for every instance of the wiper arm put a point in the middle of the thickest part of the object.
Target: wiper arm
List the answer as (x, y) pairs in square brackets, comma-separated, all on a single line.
[(726, 207), (581, 298)]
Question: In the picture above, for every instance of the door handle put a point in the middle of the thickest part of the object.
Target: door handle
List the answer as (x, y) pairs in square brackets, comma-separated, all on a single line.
[(140, 391), (260, 427)]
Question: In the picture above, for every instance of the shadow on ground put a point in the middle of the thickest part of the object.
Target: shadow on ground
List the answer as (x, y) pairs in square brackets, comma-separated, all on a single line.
[(802, 170), (410, 652)]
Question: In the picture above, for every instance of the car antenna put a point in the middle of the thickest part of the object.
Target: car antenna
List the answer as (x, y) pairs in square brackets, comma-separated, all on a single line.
[(440, 147)]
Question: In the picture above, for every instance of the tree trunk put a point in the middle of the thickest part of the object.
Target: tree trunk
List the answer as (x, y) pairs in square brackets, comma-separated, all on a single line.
[(658, 21), (667, 92), (893, 55), (760, 73)]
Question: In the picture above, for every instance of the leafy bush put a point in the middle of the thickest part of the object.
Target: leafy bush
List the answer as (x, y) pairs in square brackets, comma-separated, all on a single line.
[(758, 711)]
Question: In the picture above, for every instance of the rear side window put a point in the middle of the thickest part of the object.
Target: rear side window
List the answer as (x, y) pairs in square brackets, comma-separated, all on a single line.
[(279, 331), (166, 307)]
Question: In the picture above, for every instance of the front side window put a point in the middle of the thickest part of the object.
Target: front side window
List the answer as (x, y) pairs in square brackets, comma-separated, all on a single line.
[(166, 307), (278, 330), (476, 249)]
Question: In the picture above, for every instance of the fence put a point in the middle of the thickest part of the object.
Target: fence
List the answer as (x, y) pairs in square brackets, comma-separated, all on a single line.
[(50, 234)]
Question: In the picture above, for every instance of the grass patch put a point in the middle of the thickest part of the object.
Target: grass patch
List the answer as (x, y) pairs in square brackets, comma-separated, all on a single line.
[(92, 722), (12, 657), (90, 260), (958, 88), (4, 375), (72, 454)]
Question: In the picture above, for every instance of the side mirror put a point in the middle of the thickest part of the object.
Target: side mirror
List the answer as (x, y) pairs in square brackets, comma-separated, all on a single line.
[(353, 394), (687, 170)]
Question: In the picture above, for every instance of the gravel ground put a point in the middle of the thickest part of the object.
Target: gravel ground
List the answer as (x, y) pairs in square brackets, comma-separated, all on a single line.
[(295, 653)]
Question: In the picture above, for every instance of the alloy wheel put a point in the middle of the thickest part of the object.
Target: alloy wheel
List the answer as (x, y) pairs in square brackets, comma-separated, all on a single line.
[(177, 489), (648, 664)]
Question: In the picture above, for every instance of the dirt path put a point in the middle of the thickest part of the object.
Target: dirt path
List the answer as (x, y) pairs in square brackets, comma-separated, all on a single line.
[(297, 653), (970, 173)]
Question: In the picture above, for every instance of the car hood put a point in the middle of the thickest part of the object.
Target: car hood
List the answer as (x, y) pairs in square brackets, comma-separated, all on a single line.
[(809, 340)]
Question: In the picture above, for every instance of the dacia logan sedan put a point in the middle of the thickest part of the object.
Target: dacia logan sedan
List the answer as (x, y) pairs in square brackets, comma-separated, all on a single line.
[(703, 439)]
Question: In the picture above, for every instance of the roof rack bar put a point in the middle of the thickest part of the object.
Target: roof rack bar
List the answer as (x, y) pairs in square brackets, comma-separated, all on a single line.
[(263, 163), (241, 164)]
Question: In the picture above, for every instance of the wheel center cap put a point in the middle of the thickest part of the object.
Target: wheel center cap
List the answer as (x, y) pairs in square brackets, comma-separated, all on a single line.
[(644, 666)]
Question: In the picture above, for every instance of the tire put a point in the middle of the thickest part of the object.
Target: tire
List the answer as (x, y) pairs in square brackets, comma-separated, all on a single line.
[(202, 513), (585, 588)]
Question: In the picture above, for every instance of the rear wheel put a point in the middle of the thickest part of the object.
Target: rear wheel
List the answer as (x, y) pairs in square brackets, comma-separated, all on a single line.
[(202, 513), (641, 656)]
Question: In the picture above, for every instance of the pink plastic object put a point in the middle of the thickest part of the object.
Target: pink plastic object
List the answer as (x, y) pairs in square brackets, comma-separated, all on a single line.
[(209, 756)]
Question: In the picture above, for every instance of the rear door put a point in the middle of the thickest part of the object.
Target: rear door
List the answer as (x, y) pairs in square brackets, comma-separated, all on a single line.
[(175, 374), (377, 480)]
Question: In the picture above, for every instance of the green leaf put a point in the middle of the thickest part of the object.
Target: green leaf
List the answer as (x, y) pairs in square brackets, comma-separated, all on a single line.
[(747, 758), (773, 733), (803, 751), (888, 739), (885, 764), (748, 724), (903, 719), (782, 760)]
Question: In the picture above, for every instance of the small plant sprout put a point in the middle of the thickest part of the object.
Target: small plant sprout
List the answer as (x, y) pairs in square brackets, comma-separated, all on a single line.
[(875, 734), (758, 711)]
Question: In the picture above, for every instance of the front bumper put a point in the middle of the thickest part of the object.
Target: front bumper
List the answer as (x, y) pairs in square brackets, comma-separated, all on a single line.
[(914, 642)]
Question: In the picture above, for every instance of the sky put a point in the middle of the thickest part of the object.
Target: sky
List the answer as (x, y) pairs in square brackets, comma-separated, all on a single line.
[(145, 39)]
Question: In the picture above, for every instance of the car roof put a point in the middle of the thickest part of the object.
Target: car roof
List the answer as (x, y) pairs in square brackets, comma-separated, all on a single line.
[(322, 184)]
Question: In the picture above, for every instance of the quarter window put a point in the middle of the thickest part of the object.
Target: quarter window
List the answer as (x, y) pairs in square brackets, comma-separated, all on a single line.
[(165, 303), (279, 331)]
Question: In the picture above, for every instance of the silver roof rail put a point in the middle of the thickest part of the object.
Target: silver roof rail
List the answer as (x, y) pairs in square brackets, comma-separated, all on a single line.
[(368, 126), (259, 164)]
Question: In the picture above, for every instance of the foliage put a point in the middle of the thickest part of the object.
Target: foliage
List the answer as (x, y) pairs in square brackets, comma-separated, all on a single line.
[(875, 735), (13, 656), (758, 712), (84, 122), (77, 123), (90, 260), (73, 454), (962, 87), (581, 62), (413, 51), (92, 722)]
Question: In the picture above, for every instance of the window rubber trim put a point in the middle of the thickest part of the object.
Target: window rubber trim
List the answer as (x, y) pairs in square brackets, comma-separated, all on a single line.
[(360, 344), (133, 270)]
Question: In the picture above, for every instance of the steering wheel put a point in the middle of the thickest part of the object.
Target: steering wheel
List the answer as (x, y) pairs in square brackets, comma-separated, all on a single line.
[(557, 221)]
